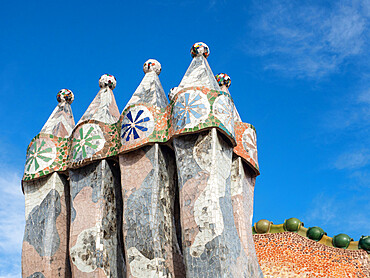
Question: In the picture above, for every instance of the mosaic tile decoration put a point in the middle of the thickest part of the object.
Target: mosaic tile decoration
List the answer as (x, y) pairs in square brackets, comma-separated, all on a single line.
[(96, 135), (245, 134), (295, 225), (242, 198), (144, 119), (96, 203), (196, 108), (45, 242), (93, 140), (191, 110), (65, 95), (148, 119), (143, 124), (46, 154), (214, 184), (200, 48), (223, 80), (199, 74), (48, 151), (216, 242), (246, 147), (152, 65), (148, 189), (61, 122), (103, 108), (148, 179), (289, 254)]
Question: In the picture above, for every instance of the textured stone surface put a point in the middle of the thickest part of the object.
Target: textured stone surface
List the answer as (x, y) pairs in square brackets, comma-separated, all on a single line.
[(45, 243), (95, 239), (149, 91), (291, 255), (199, 73), (36, 275), (60, 122), (242, 193), (148, 225), (211, 245), (103, 108)]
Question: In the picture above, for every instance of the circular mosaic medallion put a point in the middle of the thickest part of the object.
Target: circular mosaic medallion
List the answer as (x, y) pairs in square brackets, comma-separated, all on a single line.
[(40, 155), (190, 109), (223, 110), (249, 140), (87, 140), (137, 124)]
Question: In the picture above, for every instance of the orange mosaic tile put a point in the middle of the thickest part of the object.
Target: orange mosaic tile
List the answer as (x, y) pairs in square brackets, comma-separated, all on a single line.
[(246, 147), (291, 255)]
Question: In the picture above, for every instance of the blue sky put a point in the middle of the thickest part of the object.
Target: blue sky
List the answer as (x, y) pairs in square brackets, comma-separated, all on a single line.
[(300, 74)]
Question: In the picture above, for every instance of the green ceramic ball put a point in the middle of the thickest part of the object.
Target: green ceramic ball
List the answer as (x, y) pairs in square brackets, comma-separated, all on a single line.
[(262, 226), (292, 224), (364, 243), (315, 233), (341, 241)]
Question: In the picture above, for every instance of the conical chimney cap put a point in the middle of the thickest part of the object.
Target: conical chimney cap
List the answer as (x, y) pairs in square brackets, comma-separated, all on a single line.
[(150, 90), (61, 121), (104, 107), (199, 73)]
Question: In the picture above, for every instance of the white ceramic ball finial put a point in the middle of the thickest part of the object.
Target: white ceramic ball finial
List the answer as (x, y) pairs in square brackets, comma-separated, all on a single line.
[(65, 95), (198, 49), (152, 65), (107, 80)]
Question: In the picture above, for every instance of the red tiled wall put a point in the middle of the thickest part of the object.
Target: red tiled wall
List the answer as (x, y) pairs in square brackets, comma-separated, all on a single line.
[(291, 255)]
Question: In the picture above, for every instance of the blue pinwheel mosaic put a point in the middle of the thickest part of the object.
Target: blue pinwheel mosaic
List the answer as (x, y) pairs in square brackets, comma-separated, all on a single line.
[(136, 124), (189, 109)]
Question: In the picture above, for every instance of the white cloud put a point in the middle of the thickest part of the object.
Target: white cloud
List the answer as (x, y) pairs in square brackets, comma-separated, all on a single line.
[(350, 114), (324, 209), (336, 213), (306, 40), (362, 178), (10, 276), (353, 159), (11, 222), (364, 97)]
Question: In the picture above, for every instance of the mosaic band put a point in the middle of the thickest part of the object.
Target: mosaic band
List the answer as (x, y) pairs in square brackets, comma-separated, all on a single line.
[(192, 110), (164, 189)]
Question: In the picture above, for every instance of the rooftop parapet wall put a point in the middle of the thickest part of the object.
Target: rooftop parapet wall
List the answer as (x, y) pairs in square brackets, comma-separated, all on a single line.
[(317, 234), (288, 254)]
